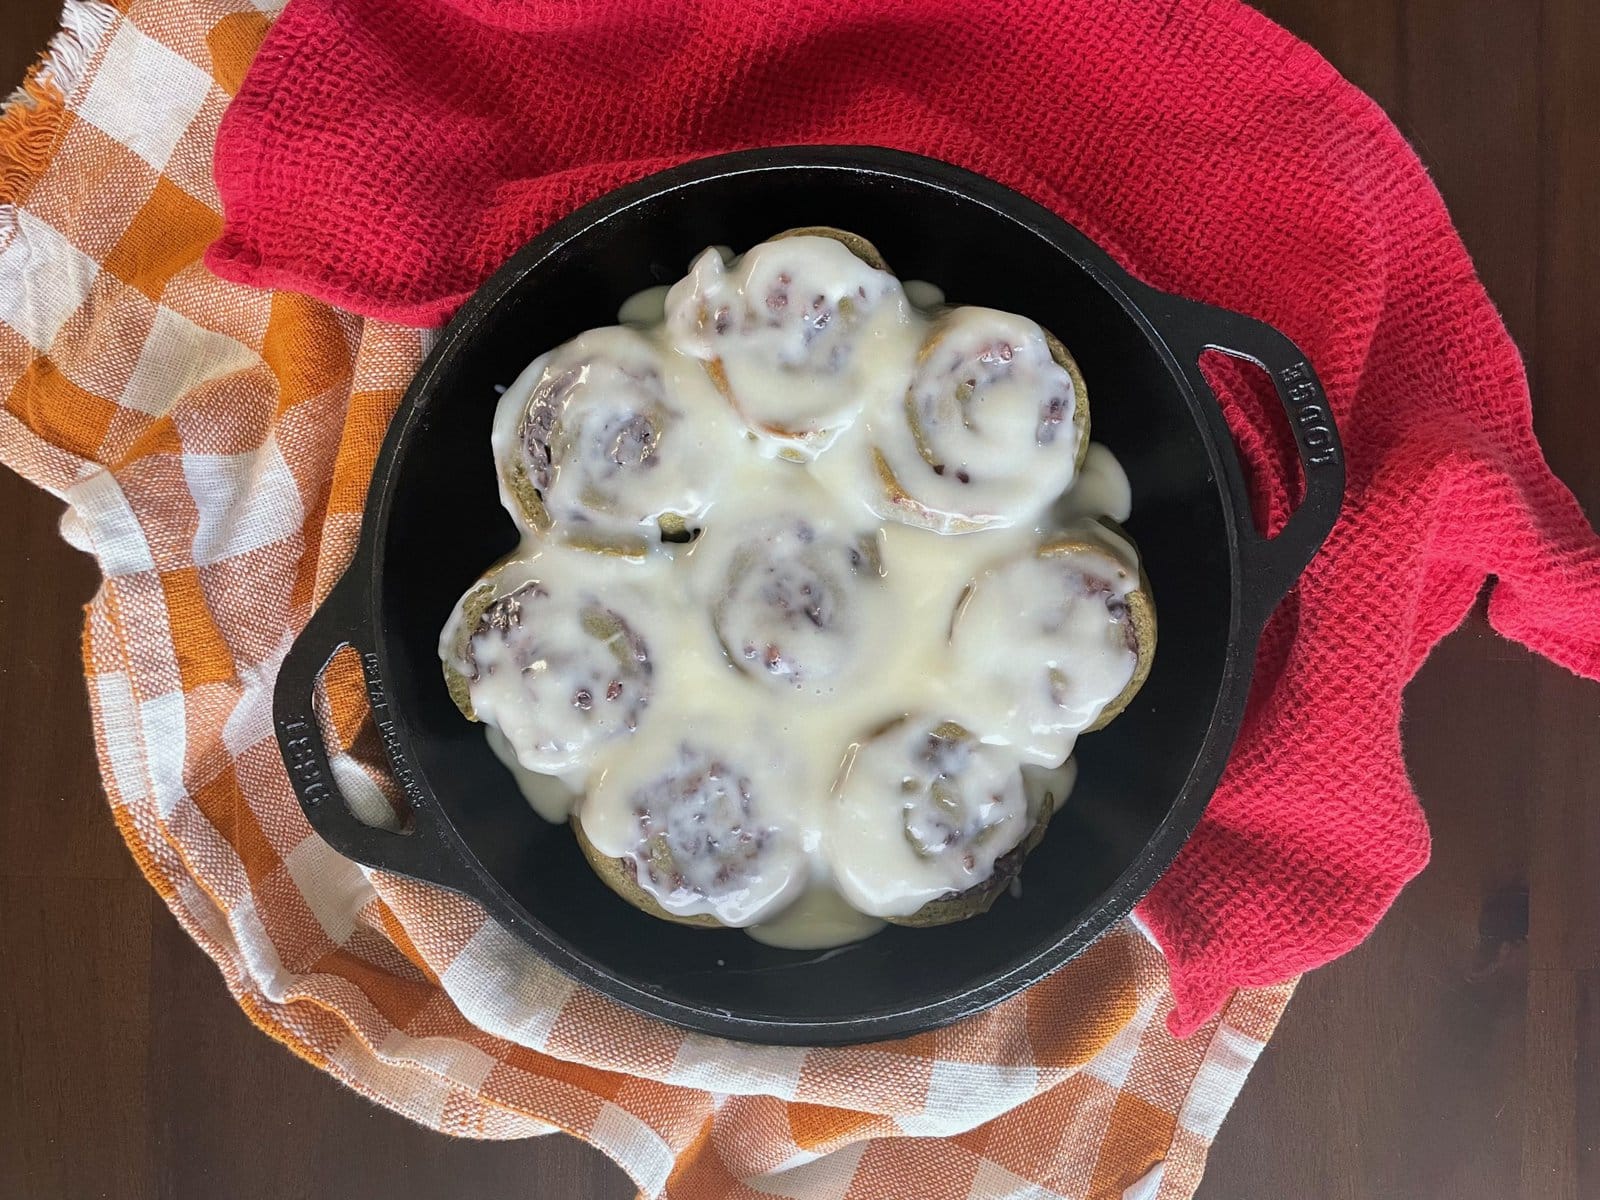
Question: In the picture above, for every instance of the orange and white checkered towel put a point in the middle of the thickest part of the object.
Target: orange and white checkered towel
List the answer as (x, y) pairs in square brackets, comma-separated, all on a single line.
[(213, 444)]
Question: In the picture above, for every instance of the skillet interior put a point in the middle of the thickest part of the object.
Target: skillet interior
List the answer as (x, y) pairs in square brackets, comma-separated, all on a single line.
[(439, 525)]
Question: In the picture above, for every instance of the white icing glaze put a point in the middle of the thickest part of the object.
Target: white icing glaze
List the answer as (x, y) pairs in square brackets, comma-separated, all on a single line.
[(547, 795), (787, 610), (798, 331), (858, 613), (593, 427), (646, 308), (926, 296), (709, 814), (1056, 783), (1101, 489), (923, 809), (560, 661), (983, 434), (818, 920), (1063, 619)]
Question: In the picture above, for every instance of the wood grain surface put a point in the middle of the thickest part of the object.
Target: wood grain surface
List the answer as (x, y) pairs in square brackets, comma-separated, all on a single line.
[(1456, 1055)]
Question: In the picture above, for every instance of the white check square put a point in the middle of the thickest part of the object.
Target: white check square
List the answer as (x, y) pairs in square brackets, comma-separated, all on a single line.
[(177, 357), (246, 501), (43, 279), (144, 95)]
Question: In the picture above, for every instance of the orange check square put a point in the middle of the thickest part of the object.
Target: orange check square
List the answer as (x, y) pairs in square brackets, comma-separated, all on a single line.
[(171, 231), (203, 655), (1137, 1139), (306, 348), (233, 42), (223, 804), (60, 411)]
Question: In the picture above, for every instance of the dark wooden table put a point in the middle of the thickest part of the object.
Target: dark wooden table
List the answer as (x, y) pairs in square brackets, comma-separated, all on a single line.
[(1456, 1055)]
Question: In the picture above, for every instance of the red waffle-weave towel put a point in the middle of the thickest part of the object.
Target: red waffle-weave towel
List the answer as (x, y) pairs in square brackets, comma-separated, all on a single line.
[(387, 155)]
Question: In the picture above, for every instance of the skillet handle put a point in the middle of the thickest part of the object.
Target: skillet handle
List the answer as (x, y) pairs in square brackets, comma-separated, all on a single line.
[(423, 851), (1271, 565)]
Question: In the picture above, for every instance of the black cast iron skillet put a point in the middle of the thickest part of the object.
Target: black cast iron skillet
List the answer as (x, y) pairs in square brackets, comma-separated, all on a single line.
[(433, 523)]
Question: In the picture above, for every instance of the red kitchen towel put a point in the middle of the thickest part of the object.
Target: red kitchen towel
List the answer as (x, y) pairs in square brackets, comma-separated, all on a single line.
[(386, 155)]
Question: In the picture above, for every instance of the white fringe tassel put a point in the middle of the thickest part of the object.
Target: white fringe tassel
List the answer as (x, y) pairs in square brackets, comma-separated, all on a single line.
[(84, 24)]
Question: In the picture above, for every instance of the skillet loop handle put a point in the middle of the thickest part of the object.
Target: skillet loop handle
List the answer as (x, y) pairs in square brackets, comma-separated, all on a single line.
[(419, 852), (1271, 565)]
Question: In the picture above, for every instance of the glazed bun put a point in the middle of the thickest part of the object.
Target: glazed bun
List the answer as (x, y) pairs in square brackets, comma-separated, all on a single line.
[(993, 426), (560, 673), (784, 333), (589, 444)]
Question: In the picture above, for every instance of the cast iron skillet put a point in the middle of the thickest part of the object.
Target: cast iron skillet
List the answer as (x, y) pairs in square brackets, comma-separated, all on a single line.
[(433, 523)]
